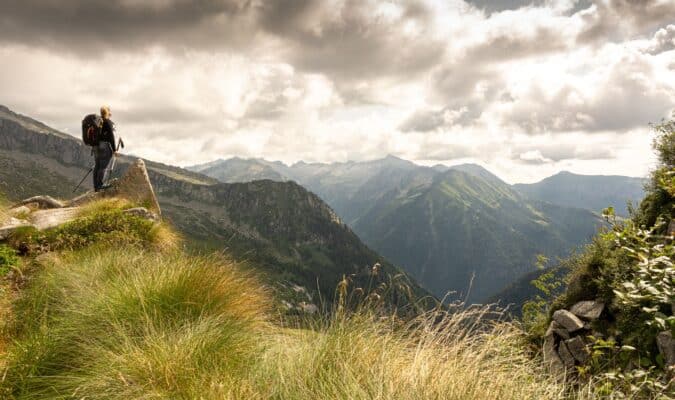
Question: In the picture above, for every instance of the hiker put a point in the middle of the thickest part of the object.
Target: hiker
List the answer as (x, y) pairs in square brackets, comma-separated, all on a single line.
[(104, 151)]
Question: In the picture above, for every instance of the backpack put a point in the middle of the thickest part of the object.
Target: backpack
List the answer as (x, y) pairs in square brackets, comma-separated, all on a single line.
[(91, 129)]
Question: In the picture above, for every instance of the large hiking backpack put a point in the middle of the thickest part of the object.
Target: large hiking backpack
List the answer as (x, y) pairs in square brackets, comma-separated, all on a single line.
[(91, 129)]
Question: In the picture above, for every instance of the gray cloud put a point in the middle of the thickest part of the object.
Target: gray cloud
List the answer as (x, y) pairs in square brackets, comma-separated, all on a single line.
[(348, 42), (87, 26), (627, 98), (543, 154), (617, 19), (474, 79), (663, 40)]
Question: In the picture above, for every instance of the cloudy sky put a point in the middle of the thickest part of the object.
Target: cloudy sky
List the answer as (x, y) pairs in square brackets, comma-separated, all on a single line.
[(526, 88)]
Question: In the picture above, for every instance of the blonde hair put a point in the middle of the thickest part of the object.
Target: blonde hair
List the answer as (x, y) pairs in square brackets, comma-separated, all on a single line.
[(105, 111)]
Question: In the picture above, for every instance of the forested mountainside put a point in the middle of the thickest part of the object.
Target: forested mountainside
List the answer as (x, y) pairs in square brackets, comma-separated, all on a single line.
[(448, 227), (280, 227)]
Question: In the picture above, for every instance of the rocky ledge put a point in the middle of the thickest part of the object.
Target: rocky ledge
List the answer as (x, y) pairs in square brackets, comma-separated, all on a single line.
[(44, 212)]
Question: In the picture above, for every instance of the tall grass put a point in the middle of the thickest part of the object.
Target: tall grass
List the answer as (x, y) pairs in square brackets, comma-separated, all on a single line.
[(124, 324)]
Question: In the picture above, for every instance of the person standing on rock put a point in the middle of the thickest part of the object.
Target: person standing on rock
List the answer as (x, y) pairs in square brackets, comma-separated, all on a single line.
[(105, 150)]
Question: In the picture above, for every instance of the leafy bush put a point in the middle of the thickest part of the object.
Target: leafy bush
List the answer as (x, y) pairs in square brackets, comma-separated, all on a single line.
[(630, 267)]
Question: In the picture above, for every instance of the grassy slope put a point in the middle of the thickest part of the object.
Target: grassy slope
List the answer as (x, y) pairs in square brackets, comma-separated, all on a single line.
[(125, 321)]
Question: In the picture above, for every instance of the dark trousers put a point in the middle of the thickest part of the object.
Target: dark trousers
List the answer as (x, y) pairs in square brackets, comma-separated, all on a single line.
[(102, 155)]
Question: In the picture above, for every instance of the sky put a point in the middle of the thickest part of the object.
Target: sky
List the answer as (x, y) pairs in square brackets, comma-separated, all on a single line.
[(525, 88)]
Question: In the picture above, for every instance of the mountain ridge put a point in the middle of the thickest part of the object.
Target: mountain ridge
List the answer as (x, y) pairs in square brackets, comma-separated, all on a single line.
[(253, 219)]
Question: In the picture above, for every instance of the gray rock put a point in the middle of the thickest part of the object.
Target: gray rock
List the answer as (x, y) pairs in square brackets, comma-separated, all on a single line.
[(566, 356), (142, 212), (12, 225), (557, 329), (551, 357), (19, 210), (666, 345), (577, 347), (588, 310), (41, 202), (568, 320), (45, 219)]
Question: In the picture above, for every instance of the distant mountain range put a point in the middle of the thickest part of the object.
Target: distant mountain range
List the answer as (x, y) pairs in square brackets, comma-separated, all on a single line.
[(287, 232), (449, 227), (594, 192)]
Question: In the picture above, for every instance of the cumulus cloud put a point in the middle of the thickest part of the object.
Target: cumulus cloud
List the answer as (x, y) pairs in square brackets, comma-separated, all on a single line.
[(619, 19), (516, 85), (663, 40)]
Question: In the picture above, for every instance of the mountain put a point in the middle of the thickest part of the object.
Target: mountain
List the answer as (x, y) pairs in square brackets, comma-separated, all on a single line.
[(280, 226), (594, 192), (238, 170), (468, 234), (444, 224)]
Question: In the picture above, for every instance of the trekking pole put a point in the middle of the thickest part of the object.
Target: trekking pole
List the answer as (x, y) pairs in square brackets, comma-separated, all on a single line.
[(111, 168), (85, 177), (120, 143)]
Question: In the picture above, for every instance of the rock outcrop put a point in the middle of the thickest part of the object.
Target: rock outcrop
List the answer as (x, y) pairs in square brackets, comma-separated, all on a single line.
[(44, 212), (565, 343)]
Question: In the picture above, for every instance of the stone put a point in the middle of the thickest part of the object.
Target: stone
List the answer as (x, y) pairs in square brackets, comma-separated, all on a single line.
[(308, 307), (41, 202), (557, 329), (666, 344), (577, 347), (565, 355), (16, 211), (142, 212), (45, 219), (551, 357), (12, 225), (134, 186), (588, 310), (568, 320)]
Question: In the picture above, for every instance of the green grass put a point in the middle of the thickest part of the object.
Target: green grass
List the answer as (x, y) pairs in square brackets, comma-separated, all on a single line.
[(99, 222), (8, 259), (115, 310), (125, 323)]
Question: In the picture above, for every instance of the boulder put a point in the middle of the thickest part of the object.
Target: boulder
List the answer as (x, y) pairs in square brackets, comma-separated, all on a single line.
[(16, 211), (588, 310), (12, 225), (41, 202), (134, 186), (142, 212), (577, 347), (551, 357), (568, 320), (666, 345), (45, 219), (557, 329), (566, 356)]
